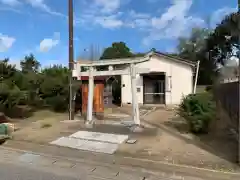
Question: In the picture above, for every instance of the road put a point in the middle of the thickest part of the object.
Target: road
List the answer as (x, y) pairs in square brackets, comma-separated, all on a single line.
[(29, 166), (18, 172), (22, 165), (12, 171)]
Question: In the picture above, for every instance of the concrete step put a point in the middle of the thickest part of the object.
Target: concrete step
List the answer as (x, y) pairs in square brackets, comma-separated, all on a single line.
[(101, 137), (86, 145), (92, 141)]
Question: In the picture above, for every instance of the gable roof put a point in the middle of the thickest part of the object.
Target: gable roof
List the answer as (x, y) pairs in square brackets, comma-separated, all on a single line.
[(174, 58), (118, 61)]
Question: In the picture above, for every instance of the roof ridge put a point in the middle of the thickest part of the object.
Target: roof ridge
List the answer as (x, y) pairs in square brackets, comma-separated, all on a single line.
[(174, 57)]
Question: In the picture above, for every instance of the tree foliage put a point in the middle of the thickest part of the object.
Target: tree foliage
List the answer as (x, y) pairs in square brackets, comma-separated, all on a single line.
[(117, 50), (211, 47), (10, 94), (223, 43), (32, 87), (191, 47), (194, 48), (29, 64)]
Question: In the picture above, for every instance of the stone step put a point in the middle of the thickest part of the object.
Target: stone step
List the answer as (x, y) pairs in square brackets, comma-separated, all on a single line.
[(101, 137), (86, 145)]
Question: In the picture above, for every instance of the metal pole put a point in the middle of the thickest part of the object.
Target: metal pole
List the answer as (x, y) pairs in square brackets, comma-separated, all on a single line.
[(196, 78), (70, 29)]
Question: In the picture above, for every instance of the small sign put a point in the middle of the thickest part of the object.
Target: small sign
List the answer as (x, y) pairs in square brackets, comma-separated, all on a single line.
[(138, 89)]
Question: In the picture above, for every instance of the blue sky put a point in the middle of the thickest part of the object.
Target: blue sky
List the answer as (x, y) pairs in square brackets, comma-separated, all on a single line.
[(40, 26)]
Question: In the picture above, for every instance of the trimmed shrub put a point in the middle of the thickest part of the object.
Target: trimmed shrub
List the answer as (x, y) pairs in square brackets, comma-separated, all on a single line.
[(198, 110)]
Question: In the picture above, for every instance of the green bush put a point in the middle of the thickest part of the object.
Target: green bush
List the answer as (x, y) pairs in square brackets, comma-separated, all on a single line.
[(10, 96), (57, 103), (32, 87), (198, 110)]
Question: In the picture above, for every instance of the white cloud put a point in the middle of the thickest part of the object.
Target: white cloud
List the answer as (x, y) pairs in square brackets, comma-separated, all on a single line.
[(102, 12), (10, 2), (43, 6), (6, 42), (40, 4), (48, 43), (11, 9), (110, 22), (138, 20), (134, 14), (108, 6), (172, 23), (219, 14), (175, 22)]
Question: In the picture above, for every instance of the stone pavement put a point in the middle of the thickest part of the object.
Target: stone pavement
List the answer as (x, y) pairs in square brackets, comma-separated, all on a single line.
[(32, 166)]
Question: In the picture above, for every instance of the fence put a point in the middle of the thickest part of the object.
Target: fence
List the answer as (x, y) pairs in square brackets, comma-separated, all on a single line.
[(227, 97)]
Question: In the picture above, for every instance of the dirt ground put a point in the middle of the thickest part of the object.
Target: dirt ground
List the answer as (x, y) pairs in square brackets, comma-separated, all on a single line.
[(42, 127), (172, 144), (45, 126)]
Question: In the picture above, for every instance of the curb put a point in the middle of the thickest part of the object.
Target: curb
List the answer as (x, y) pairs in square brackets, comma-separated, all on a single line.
[(149, 165)]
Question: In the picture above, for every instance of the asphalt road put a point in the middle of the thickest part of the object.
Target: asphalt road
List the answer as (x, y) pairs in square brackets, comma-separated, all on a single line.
[(18, 165), (27, 166), (17, 172), (10, 171)]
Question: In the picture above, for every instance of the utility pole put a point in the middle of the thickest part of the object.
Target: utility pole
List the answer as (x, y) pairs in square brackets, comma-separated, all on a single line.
[(238, 54), (71, 57)]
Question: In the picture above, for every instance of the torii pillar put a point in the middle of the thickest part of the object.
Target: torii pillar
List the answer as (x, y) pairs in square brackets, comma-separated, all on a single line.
[(135, 108), (90, 97)]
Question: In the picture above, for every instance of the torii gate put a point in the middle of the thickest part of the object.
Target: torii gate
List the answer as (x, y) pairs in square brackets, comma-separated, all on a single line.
[(130, 70)]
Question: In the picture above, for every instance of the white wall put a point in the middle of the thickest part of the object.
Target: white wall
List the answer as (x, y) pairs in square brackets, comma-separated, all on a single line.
[(179, 75)]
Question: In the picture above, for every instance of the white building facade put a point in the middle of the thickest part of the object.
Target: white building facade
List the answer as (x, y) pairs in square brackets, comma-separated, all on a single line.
[(169, 80)]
